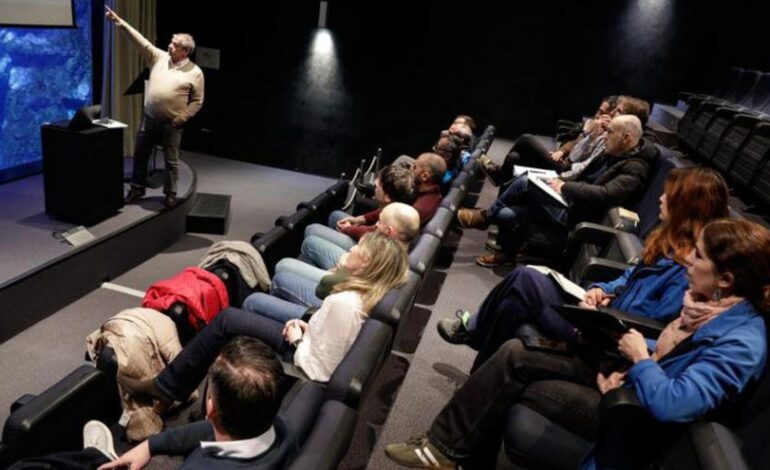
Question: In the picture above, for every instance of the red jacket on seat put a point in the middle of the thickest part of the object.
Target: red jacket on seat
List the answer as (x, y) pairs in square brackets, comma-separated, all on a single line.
[(202, 292)]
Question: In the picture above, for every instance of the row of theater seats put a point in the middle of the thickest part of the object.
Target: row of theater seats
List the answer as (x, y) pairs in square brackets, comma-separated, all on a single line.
[(323, 416), (740, 88), (735, 142), (600, 252)]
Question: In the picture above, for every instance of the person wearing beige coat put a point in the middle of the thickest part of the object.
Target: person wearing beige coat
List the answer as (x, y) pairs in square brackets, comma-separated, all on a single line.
[(144, 341)]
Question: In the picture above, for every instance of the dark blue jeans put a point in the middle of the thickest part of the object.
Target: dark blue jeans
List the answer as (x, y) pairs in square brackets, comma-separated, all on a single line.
[(518, 204), (476, 411), (189, 368), (524, 296)]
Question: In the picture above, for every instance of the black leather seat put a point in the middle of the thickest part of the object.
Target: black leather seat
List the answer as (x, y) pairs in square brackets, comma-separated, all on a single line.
[(714, 133), (735, 135), (274, 246), (751, 155)]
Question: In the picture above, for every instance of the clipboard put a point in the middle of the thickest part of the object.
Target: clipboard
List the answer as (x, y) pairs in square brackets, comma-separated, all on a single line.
[(601, 328)]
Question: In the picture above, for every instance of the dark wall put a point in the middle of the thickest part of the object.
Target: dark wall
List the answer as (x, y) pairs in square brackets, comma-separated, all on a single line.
[(401, 70)]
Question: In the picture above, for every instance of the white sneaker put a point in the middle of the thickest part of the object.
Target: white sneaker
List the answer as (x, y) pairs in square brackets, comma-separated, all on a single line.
[(97, 435)]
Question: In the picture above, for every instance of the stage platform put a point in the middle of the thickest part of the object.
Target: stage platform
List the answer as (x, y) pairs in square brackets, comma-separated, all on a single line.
[(40, 273)]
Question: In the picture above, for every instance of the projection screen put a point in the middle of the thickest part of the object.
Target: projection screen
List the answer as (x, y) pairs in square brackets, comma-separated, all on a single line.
[(37, 13)]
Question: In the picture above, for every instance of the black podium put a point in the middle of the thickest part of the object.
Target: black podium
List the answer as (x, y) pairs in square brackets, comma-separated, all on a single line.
[(82, 173)]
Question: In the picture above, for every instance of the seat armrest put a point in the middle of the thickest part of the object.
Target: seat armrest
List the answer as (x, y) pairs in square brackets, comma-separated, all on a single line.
[(600, 270), (717, 447), (621, 406), (648, 327), (328, 442), (590, 232), (350, 380)]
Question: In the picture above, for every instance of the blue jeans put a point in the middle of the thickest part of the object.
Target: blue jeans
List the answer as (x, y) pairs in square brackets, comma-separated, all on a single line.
[(296, 289), (189, 368), (329, 234), (335, 217), (517, 205), (322, 253), (524, 296), (301, 269), (272, 307)]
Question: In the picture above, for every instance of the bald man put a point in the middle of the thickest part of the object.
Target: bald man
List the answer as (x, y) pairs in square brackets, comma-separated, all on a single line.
[(305, 284), (612, 179), (396, 219)]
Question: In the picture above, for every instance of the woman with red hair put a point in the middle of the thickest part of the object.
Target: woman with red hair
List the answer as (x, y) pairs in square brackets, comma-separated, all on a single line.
[(692, 197)]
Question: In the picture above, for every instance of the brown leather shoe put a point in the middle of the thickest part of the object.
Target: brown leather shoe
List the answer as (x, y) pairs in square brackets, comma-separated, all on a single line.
[(490, 260), (473, 218)]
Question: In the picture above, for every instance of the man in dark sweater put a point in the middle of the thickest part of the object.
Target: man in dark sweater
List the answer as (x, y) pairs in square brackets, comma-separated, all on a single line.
[(241, 429)]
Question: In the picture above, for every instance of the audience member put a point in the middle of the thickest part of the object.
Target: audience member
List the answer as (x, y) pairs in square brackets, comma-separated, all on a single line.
[(242, 429), (378, 263), (705, 357), (654, 288), (612, 179)]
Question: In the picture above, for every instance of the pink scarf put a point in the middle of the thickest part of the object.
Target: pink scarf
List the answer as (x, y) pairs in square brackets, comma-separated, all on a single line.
[(694, 315)]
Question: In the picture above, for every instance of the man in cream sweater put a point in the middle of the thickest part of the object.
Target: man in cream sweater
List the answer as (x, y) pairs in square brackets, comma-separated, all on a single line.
[(174, 94)]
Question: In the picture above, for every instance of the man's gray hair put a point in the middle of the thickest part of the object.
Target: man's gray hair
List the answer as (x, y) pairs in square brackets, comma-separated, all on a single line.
[(186, 41), (630, 124)]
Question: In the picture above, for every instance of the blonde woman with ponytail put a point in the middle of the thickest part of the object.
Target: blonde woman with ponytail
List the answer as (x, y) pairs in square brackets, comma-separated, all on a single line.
[(377, 264)]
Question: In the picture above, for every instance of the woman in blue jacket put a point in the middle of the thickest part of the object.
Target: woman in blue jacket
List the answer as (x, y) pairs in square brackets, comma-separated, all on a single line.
[(692, 197), (706, 356)]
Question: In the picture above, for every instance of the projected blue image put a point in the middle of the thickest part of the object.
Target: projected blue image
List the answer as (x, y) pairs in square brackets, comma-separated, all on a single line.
[(45, 75)]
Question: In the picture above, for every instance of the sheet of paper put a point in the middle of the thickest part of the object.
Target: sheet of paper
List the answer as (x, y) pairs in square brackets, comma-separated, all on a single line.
[(537, 181), (566, 285), (520, 170)]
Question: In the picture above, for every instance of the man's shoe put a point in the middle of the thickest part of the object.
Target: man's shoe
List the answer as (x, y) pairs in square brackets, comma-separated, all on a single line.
[(455, 330), (134, 194), (418, 452), (171, 201), (490, 260), (487, 165), (492, 246), (490, 168), (98, 436), (473, 218)]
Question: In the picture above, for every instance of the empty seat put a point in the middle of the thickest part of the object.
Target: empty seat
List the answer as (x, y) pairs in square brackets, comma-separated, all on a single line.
[(714, 133), (734, 137), (751, 155), (706, 114), (53, 420)]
